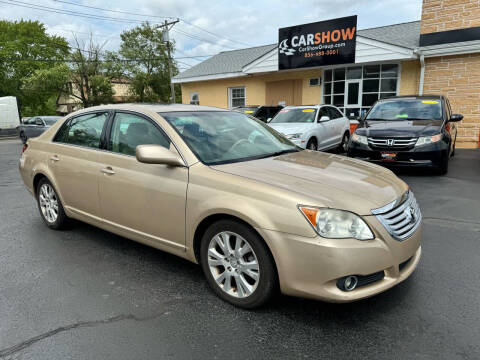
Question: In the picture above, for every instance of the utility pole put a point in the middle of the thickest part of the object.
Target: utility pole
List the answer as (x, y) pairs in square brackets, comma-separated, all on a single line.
[(166, 39)]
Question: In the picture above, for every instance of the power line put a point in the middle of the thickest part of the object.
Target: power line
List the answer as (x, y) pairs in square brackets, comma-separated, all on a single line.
[(201, 39), (115, 11), (152, 16), (67, 12)]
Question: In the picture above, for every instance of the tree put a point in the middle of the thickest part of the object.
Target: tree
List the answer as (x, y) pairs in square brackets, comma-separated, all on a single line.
[(27, 52), (150, 81), (90, 76)]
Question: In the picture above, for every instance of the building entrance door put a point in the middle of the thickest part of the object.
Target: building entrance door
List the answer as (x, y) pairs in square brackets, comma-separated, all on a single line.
[(353, 98)]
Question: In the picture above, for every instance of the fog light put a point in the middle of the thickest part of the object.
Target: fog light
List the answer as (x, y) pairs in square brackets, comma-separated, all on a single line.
[(348, 283)]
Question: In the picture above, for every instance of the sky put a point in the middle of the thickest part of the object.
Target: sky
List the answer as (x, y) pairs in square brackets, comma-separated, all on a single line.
[(205, 27)]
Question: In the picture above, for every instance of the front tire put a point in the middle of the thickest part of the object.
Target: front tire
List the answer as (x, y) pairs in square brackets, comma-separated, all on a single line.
[(443, 166), (343, 147), (50, 206), (237, 264), (312, 144)]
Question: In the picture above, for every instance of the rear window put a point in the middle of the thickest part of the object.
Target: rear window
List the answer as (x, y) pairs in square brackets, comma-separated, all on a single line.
[(296, 115), (411, 109)]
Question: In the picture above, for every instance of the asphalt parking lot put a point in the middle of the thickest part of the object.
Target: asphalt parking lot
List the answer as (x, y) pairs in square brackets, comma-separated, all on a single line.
[(84, 293)]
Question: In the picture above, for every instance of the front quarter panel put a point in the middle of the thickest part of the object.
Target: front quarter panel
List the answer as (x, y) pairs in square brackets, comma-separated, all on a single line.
[(212, 192)]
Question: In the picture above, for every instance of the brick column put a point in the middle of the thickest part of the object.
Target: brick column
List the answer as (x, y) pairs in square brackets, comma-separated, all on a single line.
[(458, 76)]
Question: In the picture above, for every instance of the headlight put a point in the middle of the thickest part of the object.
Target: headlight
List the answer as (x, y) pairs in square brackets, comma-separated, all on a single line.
[(360, 139), (337, 224), (294, 136), (425, 140)]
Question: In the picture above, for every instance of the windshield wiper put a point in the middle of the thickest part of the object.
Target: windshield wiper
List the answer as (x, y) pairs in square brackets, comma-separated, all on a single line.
[(278, 153)]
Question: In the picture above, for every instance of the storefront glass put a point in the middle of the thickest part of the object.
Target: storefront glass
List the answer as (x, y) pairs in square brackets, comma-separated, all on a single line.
[(355, 89)]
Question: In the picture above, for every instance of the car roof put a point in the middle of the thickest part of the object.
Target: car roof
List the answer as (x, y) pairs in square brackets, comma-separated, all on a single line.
[(158, 108), (414, 97)]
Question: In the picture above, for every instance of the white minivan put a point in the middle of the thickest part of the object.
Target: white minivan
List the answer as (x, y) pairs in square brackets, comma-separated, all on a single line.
[(317, 127)]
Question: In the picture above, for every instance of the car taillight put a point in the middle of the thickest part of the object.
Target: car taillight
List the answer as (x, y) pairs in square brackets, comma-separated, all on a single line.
[(25, 146)]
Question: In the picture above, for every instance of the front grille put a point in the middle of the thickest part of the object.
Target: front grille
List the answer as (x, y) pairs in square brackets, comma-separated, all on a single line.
[(391, 143), (401, 218)]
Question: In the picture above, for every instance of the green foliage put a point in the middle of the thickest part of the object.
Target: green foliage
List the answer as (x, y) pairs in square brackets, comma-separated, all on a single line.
[(149, 75), (27, 54)]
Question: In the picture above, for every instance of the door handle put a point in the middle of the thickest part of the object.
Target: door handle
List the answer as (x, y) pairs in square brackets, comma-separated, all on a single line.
[(55, 158), (108, 170)]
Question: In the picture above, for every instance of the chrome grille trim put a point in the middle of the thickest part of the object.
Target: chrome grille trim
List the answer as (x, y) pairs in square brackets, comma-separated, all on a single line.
[(396, 216), (398, 143)]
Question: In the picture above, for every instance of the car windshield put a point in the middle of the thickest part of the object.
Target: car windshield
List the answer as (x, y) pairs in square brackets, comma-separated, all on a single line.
[(50, 120), (299, 115), (397, 110), (220, 137)]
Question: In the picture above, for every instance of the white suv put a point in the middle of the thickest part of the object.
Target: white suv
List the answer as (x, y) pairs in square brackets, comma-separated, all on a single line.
[(317, 127)]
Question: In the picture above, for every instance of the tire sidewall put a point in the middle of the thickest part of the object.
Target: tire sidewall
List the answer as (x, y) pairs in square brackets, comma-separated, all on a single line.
[(268, 276)]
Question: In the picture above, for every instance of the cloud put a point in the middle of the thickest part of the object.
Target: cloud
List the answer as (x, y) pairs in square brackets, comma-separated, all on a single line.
[(237, 24)]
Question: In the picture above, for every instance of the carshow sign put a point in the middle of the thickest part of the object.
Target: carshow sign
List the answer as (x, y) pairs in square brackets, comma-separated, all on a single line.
[(317, 44)]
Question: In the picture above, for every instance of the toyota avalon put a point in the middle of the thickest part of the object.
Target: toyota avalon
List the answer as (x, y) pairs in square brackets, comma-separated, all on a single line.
[(224, 190)]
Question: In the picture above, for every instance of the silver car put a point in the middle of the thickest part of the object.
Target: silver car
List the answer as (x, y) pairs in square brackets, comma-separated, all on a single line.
[(35, 126)]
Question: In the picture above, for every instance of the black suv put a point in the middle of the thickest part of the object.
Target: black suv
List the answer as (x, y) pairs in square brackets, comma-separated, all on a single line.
[(407, 130), (263, 112)]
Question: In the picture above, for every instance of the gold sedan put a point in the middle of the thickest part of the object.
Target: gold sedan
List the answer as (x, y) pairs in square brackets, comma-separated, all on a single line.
[(226, 191)]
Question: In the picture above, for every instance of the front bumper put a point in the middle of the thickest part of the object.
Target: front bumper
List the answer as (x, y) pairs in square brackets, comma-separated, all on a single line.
[(299, 142), (427, 155), (311, 267)]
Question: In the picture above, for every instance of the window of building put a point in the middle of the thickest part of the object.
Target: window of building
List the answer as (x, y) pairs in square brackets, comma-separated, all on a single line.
[(131, 130), (355, 89), (314, 82), (194, 98), (236, 96)]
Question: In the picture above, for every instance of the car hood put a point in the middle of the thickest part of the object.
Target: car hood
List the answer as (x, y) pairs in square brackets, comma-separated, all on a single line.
[(404, 128), (323, 179), (291, 128)]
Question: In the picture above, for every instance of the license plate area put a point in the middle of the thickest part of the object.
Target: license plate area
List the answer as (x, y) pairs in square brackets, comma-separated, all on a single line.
[(388, 156)]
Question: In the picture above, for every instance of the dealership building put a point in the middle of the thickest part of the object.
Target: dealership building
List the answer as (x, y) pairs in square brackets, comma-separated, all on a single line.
[(440, 54)]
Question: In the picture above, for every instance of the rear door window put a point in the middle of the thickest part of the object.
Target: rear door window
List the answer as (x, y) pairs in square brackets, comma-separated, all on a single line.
[(85, 130)]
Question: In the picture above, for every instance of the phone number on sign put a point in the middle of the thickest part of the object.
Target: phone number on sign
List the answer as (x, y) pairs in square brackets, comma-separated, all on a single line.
[(322, 53)]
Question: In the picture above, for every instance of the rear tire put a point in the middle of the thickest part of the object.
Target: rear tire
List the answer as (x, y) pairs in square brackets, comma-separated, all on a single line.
[(312, 144), (231, 250), (50, 206), (343, 147)]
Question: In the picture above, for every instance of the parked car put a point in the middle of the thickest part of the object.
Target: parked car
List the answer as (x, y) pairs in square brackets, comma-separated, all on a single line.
[(318, 127), (263, 112), (35, 126), (223, 190), (407, 131)]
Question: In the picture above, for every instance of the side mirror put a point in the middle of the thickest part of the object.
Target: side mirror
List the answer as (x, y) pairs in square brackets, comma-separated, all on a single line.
[(38, 122), (156, 154), (269, 119), (325, 118), (455, 118)]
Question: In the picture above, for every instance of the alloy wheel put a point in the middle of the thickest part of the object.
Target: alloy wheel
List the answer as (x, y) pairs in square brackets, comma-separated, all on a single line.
[(233, 264), (48, 203)]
